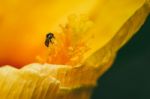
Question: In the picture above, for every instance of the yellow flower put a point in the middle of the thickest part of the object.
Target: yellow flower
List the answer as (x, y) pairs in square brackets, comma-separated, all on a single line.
[(87, 36)]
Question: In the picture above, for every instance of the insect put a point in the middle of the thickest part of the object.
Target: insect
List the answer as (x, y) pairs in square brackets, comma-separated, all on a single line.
[(48, 39)]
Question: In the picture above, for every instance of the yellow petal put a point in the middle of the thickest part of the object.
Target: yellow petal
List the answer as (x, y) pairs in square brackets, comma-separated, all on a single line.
[(115, 24), (26, 84), (36, 81)]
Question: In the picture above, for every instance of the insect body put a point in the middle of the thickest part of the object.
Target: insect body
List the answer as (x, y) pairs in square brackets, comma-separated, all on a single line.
[(49, 38)]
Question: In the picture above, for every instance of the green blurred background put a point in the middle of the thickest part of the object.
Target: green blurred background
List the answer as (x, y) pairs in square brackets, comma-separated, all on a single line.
[(129, 77)]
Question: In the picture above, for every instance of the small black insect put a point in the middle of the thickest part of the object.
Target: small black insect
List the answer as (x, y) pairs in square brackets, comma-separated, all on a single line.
[(48, 39)]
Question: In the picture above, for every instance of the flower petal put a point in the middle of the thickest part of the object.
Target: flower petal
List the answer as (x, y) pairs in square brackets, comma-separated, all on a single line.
[(115, 24), (26, 84)]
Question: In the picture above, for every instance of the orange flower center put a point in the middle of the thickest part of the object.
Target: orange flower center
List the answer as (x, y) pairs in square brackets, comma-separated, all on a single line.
[(68, 47)]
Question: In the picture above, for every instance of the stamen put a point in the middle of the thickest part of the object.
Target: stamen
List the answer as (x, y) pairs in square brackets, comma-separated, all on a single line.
[(68, 46)]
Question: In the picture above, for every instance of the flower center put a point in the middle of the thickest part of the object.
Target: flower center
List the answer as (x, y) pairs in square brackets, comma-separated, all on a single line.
[(67, 46)]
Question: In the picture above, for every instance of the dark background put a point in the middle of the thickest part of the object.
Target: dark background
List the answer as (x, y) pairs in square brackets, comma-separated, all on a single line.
[(129, 77)]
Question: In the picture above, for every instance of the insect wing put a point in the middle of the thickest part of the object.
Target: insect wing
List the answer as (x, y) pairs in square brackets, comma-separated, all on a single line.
[(47, 42)]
